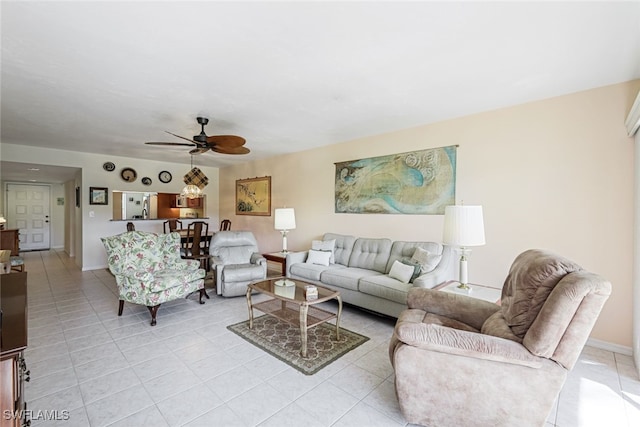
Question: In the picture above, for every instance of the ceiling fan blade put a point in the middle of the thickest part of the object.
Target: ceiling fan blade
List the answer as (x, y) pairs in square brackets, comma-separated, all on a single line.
[(199, 150), (170, 143), (226, 140), (231, 150), (181, 137)]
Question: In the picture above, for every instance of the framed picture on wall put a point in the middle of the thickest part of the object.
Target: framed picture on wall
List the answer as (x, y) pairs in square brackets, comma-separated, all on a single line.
[(98, 195), (77, 197), (253, 196)]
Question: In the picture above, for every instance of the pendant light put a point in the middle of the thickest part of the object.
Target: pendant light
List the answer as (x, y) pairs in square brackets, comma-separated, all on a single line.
[(191, 191)]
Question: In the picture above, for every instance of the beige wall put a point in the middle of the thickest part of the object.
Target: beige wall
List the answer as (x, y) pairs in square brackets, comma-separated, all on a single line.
[(554, 174)]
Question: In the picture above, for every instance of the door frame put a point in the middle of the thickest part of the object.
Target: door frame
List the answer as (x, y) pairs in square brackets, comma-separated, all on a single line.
[(6, 199)]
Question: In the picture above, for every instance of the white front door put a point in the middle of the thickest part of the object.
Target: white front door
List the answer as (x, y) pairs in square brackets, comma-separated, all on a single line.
[(28, 210)]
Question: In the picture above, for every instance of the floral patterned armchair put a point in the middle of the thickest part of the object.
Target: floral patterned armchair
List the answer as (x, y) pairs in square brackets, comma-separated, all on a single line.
[(149, 271)]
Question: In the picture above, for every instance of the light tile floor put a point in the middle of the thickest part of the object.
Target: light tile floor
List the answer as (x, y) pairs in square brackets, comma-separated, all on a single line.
[(190, 370)]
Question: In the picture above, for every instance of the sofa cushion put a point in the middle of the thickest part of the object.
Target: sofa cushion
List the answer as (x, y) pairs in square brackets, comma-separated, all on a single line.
[(405, 250), (343, 247), (165, 279), (242, 272), (311, 271), (327, 246), (417, 268), (532, 277), (386, 287), (402, 272), (426, 259), (318, 257), (370, 254), (346, 278)]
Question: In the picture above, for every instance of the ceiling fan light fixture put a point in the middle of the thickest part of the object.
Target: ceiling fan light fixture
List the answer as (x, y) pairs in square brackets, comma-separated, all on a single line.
[(191, 191)]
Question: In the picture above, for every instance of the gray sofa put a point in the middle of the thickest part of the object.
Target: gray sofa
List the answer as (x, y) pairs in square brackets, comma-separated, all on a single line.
[(361, 266)]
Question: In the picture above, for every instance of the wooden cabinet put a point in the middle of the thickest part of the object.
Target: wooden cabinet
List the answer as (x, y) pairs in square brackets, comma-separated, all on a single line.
[(11, 240), (194, 203), (13, 368)]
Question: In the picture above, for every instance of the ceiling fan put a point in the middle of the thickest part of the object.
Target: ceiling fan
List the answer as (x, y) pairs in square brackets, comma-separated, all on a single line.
[(224, 144)]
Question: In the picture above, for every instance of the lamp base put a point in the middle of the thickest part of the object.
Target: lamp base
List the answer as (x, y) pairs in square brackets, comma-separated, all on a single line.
[(463, 277)]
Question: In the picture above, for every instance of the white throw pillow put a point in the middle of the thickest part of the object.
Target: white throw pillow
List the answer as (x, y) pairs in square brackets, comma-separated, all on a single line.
[(325, 245), (426, 259), (318, 257), (400, 271)]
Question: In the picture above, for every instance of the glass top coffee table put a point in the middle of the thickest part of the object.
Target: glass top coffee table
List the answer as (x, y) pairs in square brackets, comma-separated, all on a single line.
[(288, 303)]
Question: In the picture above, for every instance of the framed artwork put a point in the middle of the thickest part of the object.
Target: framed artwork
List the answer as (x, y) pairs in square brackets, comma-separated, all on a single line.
[(414, 183), (77, 197), (253, 196), (98, 195)]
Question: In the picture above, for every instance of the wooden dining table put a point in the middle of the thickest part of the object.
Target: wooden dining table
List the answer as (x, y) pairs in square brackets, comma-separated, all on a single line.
[(183, 233)]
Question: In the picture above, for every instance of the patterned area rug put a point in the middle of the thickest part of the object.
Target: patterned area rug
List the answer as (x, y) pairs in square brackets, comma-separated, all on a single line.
[(282, 340)]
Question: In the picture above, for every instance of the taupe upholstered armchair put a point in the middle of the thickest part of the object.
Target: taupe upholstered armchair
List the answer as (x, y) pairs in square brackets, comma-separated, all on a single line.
[(462, 361)]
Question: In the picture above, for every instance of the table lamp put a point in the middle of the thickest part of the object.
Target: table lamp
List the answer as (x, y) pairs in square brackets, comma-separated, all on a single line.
[(463, 227), (285, 220), (2, 221)]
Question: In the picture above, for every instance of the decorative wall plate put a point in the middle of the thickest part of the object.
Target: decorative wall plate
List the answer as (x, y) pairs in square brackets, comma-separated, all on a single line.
[(165, 177), (128, 174), (109, 166), (146, 180)]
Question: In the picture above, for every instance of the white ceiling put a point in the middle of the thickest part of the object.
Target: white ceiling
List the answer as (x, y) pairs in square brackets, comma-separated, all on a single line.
[(104, 77)]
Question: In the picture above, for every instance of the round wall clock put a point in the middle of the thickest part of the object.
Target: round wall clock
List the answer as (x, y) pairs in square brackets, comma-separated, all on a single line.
[(109, 166), (128, 174), (146, 180), (165, 177)]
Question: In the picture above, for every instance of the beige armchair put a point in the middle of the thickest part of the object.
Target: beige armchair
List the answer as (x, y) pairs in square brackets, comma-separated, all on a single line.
[(463, 361)]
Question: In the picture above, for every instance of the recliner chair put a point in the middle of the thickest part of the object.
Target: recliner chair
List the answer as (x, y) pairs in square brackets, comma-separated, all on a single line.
[(464, 361), (235, 262)]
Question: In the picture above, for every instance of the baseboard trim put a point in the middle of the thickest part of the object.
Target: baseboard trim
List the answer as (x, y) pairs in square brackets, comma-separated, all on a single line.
[(604, 345)]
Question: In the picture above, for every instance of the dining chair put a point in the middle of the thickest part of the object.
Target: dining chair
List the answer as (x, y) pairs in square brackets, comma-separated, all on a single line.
[(131, 227), (171, 225), (225, 225), (196, 243)]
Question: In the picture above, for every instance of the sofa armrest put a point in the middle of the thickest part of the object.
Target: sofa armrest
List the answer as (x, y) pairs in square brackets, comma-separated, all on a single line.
[(472, 311), (185, 264), (438, 275), (463, 343), (257, 258), (295, 258), (136, 275)]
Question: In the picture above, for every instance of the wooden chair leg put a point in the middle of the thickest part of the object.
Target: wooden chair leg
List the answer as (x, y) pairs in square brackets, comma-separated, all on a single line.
[(203, 293), (120, 307), (153, 310)]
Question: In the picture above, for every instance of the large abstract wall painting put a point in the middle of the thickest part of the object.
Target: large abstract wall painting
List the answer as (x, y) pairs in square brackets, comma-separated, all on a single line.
[(418, 182)]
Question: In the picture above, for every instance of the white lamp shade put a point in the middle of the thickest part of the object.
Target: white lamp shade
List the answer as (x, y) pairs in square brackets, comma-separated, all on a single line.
[(463, 226), (285, 219)]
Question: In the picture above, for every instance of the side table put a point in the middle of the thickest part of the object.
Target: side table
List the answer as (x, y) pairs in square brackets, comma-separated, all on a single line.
[(278, 257), (482, 292)]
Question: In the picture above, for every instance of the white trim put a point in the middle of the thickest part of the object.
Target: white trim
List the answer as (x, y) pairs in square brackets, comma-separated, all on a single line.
[(633, 119), (616, 348)]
